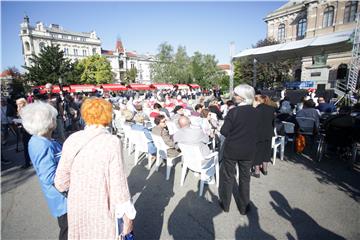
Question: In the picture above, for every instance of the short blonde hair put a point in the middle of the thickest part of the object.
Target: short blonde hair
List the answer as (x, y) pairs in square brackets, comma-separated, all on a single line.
[(38, 118), (139, 118), (96, 111), (21, 100)]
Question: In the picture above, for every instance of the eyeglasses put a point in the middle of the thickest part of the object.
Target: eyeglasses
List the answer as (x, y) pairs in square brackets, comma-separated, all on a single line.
[(163, 121)]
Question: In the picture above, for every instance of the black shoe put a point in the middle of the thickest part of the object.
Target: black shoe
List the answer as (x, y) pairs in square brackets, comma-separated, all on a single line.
[(257, 175), (247, 209), (222, 206), (5, 162), (263, 171)]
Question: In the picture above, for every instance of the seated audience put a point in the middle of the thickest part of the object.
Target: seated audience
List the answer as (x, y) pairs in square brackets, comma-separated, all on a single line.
[(139, 126), (325, 107), (160, 130)]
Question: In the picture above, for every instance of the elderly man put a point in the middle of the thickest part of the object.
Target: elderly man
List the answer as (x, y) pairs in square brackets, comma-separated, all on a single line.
[(191, 136)]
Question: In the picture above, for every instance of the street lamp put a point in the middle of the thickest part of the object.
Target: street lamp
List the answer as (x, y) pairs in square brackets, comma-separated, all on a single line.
[(254, 80), (60, 83)]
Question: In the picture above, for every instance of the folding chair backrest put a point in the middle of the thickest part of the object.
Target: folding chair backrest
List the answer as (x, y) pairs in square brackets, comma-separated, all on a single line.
[(139, 139), (289, 127), (306, 124), (171, 127), (191, 156), (160, 145)]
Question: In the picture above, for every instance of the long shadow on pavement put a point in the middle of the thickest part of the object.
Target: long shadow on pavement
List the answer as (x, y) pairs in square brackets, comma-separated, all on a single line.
[(14, 177), (253, 230), (330, 171), (305, 226), (193, 217)]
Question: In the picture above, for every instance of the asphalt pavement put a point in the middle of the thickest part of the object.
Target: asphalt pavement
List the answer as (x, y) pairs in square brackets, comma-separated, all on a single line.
[(298, 199)]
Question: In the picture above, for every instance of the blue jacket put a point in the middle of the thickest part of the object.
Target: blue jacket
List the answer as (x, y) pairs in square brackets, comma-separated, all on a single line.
[(45, 155)]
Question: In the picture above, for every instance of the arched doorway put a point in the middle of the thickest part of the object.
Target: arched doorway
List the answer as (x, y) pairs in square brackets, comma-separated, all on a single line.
[(342, 72)]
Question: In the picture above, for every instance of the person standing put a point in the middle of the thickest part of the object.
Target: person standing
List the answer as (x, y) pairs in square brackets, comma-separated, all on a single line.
[(39, 120), (266, 115), (240, 131), (91, 169)]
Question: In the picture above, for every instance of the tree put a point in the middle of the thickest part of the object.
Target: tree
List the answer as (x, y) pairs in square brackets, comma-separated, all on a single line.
[(181, 67), (162, 68), (268, 73), (96, 70), (48, 66), (130, 75), (17, 85)]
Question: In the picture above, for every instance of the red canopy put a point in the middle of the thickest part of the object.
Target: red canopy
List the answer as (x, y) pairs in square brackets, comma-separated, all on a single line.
[(82, 88), (56, 88), (182, 86), (114, 87), (194, 85), (136, 86), (162, 85)]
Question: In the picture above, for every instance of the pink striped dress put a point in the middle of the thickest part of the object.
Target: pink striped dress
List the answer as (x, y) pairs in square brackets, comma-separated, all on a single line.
[(96, 182)]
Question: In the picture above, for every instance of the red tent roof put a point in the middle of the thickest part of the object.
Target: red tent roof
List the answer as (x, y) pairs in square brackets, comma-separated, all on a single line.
[(136, 86), (162, 85), (114, 87), (194, 85), (82, 88), (182, 86)]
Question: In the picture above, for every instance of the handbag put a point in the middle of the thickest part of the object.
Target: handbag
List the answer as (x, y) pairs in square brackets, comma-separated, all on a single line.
[(300, 143)]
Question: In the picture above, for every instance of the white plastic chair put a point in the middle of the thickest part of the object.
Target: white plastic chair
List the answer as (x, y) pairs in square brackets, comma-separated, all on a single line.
[(162, 154), (140, 141), (278, 141), (193, 160), (126, 128), (289, 129), (306, 125)]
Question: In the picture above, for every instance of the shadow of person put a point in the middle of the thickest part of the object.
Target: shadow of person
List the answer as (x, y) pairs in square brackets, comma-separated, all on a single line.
[(193, 217), (151, 204), (137, 179), (253, 230), (304, 225)]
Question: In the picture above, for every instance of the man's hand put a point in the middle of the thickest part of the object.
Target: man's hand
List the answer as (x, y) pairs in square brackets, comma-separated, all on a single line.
[(128, 225)]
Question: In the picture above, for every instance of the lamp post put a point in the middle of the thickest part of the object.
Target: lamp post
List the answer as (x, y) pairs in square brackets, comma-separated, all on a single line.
[(231, 84), (254, 80)]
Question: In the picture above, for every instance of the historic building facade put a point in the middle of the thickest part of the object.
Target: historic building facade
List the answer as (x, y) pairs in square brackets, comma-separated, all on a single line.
[(304, 19), (79, 45)]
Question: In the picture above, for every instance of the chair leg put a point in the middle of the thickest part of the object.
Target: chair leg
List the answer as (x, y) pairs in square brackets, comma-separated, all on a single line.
[(282, 148), (136, 156), (183, 173), (149, 161), (158, 160), (201, 187), (274, 154)]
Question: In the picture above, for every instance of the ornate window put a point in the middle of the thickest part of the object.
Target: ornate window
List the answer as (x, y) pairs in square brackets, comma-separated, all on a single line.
[(41, 45), (27, 46), (75, 52), (94, 51), (66, 51), (328, 17), (350, 11), (301, 28), (84, 52), (281, 32)]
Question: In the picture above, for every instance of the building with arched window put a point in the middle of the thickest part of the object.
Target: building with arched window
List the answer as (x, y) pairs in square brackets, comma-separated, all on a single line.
[(307, 20)]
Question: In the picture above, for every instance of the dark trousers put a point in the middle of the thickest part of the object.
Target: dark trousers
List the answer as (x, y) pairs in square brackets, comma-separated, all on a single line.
[(63, 224), (26, 138), (228, 186)]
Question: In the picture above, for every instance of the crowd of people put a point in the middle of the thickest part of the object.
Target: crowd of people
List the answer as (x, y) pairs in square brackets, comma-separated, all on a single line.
[(82, 172)]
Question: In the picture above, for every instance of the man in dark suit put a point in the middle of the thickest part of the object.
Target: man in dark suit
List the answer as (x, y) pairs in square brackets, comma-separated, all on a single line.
[(240, 131)]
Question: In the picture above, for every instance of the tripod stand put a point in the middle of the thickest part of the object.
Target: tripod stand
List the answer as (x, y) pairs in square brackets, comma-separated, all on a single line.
[(346, 98)]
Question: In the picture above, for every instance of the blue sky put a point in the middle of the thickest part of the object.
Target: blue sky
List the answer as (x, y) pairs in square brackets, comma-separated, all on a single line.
[(207, 27)]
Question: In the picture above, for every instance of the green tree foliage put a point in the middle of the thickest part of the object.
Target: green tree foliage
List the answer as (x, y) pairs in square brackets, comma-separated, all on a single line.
[(130, 75), (269, 74), (95, 70), (48, 66), (178, 67), (18, 86), (162, 69)]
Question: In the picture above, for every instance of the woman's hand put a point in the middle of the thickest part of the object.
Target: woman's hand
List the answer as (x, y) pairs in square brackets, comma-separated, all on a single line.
[(128, 225)]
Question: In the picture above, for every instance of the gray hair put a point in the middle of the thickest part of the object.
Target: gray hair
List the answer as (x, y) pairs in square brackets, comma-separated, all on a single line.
[(39, 118), (246, 92)]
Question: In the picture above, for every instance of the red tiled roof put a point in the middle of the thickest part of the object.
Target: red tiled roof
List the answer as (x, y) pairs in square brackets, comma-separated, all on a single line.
[(119, 46), (224, 66), (131, 54), (106, 52), (6, 73)]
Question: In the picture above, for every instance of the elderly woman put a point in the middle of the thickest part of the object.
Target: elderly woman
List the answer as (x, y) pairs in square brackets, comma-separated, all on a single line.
[(39, 120), (240, 131), (21, 103), (91, 169), (139, 126)]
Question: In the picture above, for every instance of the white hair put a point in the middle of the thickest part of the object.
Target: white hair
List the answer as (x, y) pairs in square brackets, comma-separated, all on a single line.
[(38, 118), (246, 92)]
